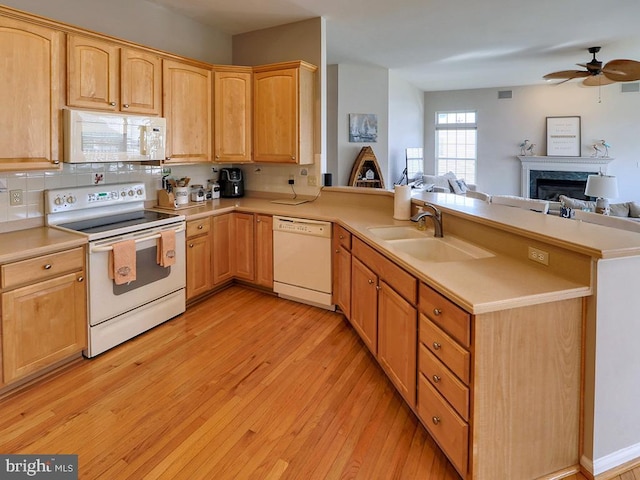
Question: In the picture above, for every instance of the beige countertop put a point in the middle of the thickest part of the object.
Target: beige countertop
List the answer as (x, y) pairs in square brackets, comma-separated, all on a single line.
[(37, 241), (481, 285)]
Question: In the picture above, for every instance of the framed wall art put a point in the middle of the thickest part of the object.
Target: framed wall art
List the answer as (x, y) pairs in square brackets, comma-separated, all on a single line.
[(363, 127), (563, 136)]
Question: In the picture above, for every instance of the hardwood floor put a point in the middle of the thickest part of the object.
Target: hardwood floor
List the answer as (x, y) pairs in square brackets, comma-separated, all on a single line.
[(242, 386)]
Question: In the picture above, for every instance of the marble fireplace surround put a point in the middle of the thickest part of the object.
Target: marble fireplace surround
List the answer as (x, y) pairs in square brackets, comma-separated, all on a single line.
[(570, 165)]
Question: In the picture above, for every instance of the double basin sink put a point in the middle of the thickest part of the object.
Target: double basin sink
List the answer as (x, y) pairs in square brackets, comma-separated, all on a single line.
[(423, 246)]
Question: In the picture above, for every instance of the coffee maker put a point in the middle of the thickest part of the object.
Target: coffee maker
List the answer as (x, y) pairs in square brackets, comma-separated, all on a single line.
[(231, 183)]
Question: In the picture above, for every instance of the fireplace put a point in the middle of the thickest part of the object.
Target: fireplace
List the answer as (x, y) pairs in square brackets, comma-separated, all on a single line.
[(549, 177), (549, 184)]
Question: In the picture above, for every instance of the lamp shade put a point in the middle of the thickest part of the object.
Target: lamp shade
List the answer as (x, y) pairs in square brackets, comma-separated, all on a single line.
[(601, 186)]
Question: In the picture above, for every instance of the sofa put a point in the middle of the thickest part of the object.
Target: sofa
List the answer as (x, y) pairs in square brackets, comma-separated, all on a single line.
[(624, 216)]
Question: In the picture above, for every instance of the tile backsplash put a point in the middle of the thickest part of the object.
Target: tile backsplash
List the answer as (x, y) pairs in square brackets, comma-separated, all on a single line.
[(269, 178)]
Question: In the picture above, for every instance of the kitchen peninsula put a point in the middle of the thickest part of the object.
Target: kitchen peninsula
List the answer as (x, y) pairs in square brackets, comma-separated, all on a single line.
[(521, 331)]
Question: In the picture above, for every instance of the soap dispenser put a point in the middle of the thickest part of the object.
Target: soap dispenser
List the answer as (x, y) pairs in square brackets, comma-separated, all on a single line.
[(422, 223)]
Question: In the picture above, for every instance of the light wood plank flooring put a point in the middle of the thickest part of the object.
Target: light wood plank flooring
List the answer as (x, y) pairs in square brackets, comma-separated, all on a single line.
[(242, 386)]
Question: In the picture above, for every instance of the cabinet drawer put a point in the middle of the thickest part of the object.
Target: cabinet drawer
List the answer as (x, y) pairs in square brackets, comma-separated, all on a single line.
[(198, 227), (446, 427), (456, 358), (452, 389), (446, 314), (40, 268), (402, 282), (343, 237)]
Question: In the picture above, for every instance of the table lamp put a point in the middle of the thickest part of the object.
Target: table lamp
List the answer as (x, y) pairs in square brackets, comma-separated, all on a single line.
[(602, 187)]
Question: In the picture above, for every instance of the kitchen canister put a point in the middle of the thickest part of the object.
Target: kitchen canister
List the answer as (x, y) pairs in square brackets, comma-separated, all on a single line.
[(182, 195), (402, 202)]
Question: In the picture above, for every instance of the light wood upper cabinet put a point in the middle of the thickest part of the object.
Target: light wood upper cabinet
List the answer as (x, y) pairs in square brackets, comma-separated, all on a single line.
[(283, 113), (102, 75), (187, 106), (31, 78), (232, 121), (92, 73), (140, 82)]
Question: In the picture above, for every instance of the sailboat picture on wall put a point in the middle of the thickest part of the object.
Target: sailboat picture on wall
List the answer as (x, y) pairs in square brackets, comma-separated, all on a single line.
[(363, 127)]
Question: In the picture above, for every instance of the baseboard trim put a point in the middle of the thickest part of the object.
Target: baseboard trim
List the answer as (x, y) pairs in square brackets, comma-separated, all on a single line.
[(613, 464)]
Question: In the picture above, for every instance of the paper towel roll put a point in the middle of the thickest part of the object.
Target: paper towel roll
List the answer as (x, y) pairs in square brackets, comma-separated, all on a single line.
[(402, 202)]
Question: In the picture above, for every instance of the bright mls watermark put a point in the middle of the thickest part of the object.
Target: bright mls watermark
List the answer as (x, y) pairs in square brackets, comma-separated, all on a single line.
[(50, 467)]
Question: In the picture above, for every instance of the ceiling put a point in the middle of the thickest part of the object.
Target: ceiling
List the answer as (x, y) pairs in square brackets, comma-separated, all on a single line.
[(447, 44)]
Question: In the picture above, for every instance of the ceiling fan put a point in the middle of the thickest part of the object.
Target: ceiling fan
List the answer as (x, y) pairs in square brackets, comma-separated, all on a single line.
[(596, 74)]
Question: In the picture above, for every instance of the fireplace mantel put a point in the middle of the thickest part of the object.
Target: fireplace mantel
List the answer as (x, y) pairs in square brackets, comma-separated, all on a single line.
[(561, 164)]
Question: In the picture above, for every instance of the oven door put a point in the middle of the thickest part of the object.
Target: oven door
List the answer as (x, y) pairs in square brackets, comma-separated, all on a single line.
[(108, 300)]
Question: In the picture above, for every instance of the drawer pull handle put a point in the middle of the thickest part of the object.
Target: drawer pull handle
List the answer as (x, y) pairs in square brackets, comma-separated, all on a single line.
[(341, 237), (81, 279), (200, 227), (191, 245), (337, 251), (47, 266), (437, 311), (436, 346), (436, 420), (436, 379), (370, 282)]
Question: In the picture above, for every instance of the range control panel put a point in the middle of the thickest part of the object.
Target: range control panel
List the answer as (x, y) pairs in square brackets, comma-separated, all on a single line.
[(76, 198)]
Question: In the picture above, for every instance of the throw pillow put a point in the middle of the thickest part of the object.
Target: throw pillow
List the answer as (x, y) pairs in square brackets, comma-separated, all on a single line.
[(576, 203), (619, 209), (458, 186), (634, 209)]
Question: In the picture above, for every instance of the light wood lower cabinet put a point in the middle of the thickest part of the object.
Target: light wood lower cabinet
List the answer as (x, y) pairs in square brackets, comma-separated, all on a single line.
[(222, 246), (243, 251), (341, 245), (383, 299), (44, 319), (264, 250), (199, 278)]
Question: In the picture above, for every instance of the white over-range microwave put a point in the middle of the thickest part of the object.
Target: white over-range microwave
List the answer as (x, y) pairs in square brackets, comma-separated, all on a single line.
[(94, 137)]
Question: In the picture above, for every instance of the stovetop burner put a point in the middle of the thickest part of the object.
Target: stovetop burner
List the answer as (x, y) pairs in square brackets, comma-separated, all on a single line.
[(116, 222)]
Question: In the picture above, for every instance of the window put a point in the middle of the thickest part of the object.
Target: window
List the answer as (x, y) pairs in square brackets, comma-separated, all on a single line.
[(456, 142), (415, 162)]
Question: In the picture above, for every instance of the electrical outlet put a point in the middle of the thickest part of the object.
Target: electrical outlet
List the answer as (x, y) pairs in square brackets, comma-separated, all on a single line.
[(312, 181), (15, 198), (538, 255)]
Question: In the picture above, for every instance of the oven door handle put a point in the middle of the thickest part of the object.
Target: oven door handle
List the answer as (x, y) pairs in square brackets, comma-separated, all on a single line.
[(107, 248)]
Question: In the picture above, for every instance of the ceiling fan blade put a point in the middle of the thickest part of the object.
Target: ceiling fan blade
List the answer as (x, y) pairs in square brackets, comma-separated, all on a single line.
[(621, 70), (566, 74), (597, 80)]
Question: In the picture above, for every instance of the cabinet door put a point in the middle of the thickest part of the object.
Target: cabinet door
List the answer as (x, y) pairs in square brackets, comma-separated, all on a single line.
[(232, 116), (397, 341), (43, 324), (187, 108), (31, 75), (140, 82), (92, 73), (222, 249), (364, 303), (198, 265), (242, 250), (264, 250), (275, 116), (342, 286)]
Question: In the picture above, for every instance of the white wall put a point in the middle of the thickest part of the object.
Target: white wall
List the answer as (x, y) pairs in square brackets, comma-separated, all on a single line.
[(406, 120), (503, 124), (137, 21), (360, 89)]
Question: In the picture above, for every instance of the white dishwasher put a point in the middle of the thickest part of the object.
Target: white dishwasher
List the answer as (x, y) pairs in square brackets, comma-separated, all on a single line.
[(302, 260)]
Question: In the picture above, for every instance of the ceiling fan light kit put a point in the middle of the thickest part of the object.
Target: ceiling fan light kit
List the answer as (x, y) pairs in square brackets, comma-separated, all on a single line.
[(596, 75)]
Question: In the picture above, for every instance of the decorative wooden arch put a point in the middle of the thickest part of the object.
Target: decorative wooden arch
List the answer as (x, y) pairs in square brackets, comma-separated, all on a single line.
[(366, 162)]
